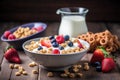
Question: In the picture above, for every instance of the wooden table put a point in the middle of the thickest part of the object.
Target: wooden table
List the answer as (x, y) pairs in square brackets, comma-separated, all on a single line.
[(9, 74)]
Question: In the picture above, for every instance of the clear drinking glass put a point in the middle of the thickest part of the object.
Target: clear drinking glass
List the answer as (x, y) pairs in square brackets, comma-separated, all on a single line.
[(72, 21)]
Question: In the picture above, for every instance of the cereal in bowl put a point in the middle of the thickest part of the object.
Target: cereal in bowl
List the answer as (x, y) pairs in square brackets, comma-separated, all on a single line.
[(59, 44)]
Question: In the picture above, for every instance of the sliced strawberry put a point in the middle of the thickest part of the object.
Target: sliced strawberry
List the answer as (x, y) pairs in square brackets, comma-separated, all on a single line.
[(12, 56), (108, 64), (60, 39), (56, 51), (46, 43), (6, 34), (79, 44), (11, 37)]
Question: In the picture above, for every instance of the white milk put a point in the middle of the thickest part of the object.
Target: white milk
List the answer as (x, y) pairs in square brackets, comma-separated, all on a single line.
[(73, 26)]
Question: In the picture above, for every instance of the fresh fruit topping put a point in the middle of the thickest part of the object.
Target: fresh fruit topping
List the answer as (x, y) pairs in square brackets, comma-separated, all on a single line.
[(12, 56), (53, 40), (39, 28), (11, 37), (98, 68), (79, 44), (61, 48), (108, 64), (56, 51), (97, 64), (66, 37), (40, 47), (6, 34), (98, 55), (55, 44), (51, 37), (60, 39), (46, 43), (33, 28), (70, 44)]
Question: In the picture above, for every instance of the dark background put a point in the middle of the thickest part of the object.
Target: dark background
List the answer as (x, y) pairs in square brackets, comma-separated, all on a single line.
[(45, 10)]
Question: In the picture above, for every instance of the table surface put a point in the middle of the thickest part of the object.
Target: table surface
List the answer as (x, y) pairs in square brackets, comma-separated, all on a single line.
[(9, 74)]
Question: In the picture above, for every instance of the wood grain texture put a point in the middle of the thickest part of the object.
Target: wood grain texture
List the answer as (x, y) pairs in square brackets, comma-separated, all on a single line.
[(45, 10)]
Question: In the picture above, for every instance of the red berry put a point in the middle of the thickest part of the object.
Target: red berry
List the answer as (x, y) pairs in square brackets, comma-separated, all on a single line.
[(108, 64), (46, 43), (12, 55), (6, 34), (34, 28), (60, 39), (39, 28), (79, 44), (98, 56), (56, 51), (11, 37)]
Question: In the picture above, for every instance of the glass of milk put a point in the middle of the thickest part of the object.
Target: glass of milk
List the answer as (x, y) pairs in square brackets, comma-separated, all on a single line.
[(72, 21)]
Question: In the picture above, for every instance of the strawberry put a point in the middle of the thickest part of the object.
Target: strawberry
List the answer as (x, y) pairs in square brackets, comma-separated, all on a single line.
[(11, 37), (6, 34), (98, 55), (46, 43), (12, 56), (56, 51), (34, 28), (60, 39), (39, 28), (108, 64), (79, 44)]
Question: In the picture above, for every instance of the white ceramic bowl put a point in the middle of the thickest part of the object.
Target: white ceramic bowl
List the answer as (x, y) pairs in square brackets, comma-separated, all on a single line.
[(53, 61)]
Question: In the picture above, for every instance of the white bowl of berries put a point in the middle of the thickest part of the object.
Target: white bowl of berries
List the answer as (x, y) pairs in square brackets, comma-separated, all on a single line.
[(19, 34), (56, 52)]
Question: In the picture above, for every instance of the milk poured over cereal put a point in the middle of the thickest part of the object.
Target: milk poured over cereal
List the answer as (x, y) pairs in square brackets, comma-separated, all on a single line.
[(73, 26)]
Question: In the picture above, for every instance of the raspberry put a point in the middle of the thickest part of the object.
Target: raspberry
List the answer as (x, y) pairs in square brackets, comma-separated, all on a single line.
[(6, 34), (11, 37), (56, 51), (60, 39)]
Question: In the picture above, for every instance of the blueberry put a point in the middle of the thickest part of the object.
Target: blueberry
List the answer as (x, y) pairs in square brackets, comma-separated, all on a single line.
[(61, 48), (98, 68), (51, 37), (53, 40), (70, 44), (40, 47), (97, 64), (66, 37), (55, 44)]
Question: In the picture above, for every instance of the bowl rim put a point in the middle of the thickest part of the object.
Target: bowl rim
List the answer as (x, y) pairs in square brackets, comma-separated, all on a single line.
[(85, 50), (14, 28)]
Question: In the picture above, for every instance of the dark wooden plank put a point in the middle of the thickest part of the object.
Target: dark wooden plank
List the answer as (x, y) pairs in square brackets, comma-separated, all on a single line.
[(5, 72), (114, 28), (25, 65), (52, 29), (96, 27), (99, 10)]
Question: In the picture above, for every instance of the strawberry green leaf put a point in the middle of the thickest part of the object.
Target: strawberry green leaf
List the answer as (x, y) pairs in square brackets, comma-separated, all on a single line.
[(106, 54)]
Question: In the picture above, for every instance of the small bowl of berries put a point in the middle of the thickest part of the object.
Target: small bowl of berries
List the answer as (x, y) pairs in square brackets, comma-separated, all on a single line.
[(19, 34), (56, 52)]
